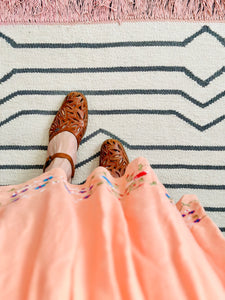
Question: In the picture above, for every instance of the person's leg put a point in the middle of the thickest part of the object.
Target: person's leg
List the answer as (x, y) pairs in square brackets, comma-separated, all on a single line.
[(64, 142), (66, 132)]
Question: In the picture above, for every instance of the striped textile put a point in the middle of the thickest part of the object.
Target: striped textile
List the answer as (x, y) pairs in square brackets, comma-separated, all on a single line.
[(158, 87)]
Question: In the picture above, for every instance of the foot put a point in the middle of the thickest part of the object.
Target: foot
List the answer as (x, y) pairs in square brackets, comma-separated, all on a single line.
[(113, 157), (72, 116), (66, 132), (64, 142)]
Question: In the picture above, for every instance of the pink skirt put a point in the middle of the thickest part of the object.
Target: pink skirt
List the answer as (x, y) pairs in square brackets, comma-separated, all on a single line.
[(107, 239)]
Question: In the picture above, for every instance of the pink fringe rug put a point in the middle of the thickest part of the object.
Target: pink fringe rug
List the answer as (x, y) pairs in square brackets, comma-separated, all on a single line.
[(93, 11)]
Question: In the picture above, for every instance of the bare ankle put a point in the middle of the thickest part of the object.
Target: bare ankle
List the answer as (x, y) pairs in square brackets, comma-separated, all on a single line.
[(61, 163), (66, 143)]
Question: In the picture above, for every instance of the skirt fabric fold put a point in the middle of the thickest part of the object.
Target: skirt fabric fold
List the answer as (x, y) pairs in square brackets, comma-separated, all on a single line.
[(109, 238)]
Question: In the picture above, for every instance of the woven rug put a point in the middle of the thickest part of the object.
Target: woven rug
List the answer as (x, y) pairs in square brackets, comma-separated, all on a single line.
[(158, 87)]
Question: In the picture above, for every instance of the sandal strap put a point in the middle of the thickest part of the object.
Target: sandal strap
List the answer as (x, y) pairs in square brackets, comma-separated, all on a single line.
[(60, 155)]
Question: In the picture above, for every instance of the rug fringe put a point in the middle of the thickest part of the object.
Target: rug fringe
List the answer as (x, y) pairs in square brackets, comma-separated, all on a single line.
[(91, 11)]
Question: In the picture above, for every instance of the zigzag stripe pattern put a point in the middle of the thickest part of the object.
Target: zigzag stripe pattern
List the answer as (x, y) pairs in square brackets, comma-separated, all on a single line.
[(184, 43), (128, 146), (120, 69), (168, 107), (115, 93), (120, 112)]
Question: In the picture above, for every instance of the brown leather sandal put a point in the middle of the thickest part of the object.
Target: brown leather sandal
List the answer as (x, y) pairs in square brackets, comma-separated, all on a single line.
[(113, 157), (73, 117)]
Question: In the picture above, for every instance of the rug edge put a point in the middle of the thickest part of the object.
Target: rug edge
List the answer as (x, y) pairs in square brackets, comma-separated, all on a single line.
[(108, 11)]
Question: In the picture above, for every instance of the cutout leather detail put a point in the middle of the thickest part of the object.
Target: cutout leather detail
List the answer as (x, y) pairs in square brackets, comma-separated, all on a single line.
[(113, 157), (73, 117)]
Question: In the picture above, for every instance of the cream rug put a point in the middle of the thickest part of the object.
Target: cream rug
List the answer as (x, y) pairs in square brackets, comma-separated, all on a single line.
[(157, 86)]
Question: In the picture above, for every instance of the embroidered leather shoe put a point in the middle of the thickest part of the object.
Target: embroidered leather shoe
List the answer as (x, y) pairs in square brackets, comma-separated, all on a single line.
[(113, 157), (73, 117)]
